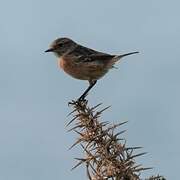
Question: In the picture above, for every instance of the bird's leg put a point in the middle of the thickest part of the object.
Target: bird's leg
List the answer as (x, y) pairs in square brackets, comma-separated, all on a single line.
[(91, 84)]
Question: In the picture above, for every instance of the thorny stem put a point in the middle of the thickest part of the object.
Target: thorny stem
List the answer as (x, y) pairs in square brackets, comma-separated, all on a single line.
[(106, 155)]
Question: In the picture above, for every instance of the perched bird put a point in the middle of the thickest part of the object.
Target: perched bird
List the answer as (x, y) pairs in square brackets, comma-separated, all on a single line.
[(83, 63)]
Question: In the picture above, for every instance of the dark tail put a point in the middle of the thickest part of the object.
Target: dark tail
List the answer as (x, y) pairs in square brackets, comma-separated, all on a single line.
[(118, 57)]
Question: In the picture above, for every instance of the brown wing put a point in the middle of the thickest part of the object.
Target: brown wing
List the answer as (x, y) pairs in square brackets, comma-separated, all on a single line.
[(101, 58), (81, 50), (85, 54)]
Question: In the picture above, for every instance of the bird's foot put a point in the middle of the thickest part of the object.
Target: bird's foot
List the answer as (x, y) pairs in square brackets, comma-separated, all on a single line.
[(79, 102), (82, 97)]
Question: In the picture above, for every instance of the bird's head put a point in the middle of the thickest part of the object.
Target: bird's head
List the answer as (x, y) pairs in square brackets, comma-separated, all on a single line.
[(61, 46)]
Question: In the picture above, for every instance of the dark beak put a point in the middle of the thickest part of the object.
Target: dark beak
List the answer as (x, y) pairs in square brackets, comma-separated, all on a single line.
[(49, 50)]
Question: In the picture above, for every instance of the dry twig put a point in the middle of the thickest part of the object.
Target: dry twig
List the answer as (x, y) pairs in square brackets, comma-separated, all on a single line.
[(106, 154)]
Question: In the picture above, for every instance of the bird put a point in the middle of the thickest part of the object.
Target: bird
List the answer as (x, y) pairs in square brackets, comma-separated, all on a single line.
[(82, 62)]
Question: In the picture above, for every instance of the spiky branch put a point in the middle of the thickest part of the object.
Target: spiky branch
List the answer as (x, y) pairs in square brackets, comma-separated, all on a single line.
[(106, 153)]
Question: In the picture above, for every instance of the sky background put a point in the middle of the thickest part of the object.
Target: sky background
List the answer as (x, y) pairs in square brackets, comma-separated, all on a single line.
[(34, 93)]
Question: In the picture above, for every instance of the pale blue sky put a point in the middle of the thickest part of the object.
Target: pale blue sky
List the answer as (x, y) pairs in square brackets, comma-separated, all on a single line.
[(33, 93)]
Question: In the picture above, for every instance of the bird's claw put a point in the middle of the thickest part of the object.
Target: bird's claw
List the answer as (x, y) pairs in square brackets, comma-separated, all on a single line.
[(72, 103)]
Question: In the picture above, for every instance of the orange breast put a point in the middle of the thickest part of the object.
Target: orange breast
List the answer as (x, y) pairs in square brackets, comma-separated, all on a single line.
[(61, 63), (83, 71), (71, 68)]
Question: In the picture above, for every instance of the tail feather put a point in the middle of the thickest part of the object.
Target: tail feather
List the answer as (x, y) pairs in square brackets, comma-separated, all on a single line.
[(118, 57)]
